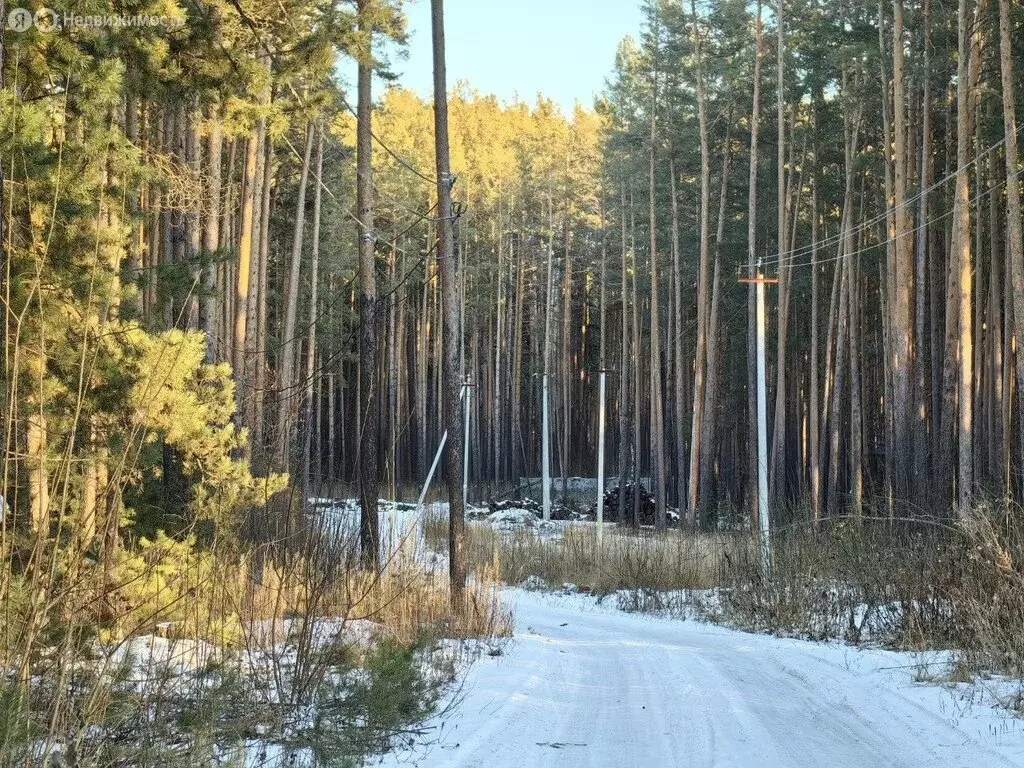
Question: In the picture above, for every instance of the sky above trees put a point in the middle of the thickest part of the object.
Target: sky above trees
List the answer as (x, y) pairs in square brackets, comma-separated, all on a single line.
[(563, 48)]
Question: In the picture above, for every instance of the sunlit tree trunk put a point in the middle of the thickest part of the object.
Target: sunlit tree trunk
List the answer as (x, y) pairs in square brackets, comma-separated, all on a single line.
[(369, 527), (755, 121), (452, 320), (1015, 235), (700, 365), (287, 389)]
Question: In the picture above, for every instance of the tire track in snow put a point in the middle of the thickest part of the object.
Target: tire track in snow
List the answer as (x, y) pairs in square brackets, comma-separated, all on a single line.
[(585, 685)]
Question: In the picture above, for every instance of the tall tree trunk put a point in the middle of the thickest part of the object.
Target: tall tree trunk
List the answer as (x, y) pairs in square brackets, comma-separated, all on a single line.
[(625, 411), (778, 456), (566, 355), (901, 323), (922, 482), (259, 350), (1015, 234), (700, 364), (496, 388), (856, 413), (657, 414), (211, 233), (709, 433), (242, 286), (636, 463), (287, 389), (814, 426), (840, 358), (680, 362), (518, 444), (311, 354), (452, 414), (755, 120), (369, 525), (193, 234), (969, 45)]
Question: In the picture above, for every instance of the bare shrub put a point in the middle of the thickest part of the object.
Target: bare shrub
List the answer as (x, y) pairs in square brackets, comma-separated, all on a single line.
[(989, 601), (857, 579)]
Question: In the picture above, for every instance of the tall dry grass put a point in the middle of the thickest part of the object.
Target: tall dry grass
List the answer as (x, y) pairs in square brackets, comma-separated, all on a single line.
[(626, 559)]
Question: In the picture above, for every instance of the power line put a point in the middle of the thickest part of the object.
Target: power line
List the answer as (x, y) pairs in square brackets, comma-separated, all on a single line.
[(401, 161), (783, 257), (302, 101), (925, 225)]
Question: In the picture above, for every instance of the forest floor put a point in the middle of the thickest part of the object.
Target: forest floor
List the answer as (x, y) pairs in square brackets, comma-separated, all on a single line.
[(584, 684)]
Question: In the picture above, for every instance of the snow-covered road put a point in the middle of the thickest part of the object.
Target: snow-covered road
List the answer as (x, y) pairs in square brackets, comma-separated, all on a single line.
[(585, 685)]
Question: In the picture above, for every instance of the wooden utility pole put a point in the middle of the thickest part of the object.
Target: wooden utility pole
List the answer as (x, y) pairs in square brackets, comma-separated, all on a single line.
[(451, 319), (759, 281)]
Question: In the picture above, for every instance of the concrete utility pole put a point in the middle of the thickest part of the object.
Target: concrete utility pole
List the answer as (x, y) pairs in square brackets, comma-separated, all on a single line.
[(545, 443), (600, 459), (759, 280), (545, 452), (437, 460), (468, 389)]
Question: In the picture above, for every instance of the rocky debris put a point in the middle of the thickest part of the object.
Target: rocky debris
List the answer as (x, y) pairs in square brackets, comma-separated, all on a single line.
[(647, 506), (511, 519), (558, 511), (533, 583), (478, 513)]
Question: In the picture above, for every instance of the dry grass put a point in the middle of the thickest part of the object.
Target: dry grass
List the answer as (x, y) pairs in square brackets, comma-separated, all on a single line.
[(990, 603), (406, 600), (872, 579), (626, 560)]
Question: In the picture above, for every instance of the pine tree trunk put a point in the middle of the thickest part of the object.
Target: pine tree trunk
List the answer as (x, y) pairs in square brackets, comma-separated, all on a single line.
[(369, 526), (657, 416), (710, 432), (856, 413), (701, 363), (778, 455), (1015, 231), (680, 362), (211, 233), (922, 481), (969, 46), (566, 355), (636, 456), (814, 408), (193, 233), (755, 120), (901, 325), (243, 269), (452, 320), (625, 412), (287, 389), (518, 444), (314, 316)]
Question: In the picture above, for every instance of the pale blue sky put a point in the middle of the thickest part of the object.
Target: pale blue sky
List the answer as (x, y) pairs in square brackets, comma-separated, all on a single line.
[(562, 48)]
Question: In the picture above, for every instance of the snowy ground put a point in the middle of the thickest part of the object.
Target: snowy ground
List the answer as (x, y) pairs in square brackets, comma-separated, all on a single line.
[(586, 685)]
